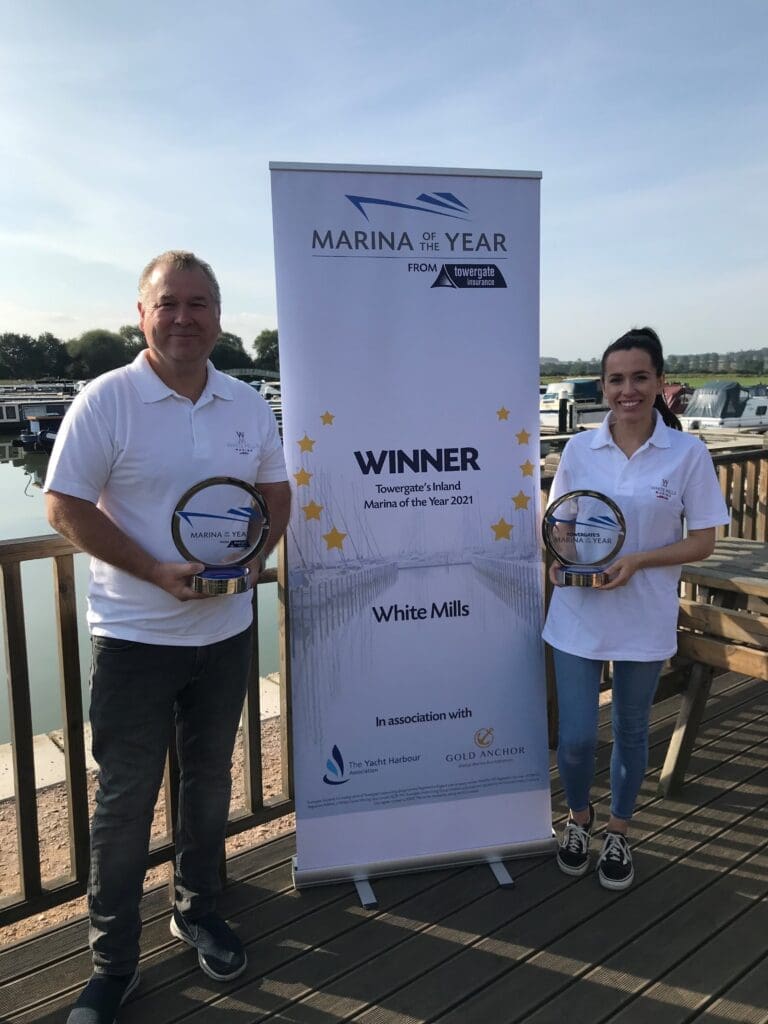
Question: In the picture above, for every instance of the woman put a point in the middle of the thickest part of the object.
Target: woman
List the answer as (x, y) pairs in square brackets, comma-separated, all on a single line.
[(657, 475)]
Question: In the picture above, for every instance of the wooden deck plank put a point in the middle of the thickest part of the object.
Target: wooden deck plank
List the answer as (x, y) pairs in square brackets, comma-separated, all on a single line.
[(543, 949), (746, 1000), (696, 890), (717, 963), (252, 895), (318, 957), (272, 950), (56, 943), (537, 931), (352, 992), (168, 951), (354, 933)]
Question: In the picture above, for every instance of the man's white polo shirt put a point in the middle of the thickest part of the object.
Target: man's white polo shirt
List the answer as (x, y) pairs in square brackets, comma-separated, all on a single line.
[(133, 446), (669, 478)]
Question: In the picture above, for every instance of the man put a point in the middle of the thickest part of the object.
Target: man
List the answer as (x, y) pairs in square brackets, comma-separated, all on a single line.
[(133, 442)]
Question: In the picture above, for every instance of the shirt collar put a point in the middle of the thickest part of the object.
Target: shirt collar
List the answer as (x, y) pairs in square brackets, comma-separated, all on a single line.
[(151, 389), (604, 439)]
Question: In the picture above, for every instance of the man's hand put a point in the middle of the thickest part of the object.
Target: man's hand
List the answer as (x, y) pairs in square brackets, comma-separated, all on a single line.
[(175, 578), (553, 570), (87, 527), (254, 569)]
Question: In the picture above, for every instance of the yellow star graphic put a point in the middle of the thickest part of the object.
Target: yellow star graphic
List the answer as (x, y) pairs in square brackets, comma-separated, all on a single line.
[(334, 539), (502, 413), (306, 444), (312, 510), (527, 468), (302, 478), (523, 437), (327, 419), (521, 500), (502, 529)]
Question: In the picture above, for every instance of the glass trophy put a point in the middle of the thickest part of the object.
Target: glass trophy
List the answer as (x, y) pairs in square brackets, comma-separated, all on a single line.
[(583, 531), (223, 523)]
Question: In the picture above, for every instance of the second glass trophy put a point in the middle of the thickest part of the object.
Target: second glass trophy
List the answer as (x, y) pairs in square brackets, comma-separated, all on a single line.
[(222, 522), (584, 531)]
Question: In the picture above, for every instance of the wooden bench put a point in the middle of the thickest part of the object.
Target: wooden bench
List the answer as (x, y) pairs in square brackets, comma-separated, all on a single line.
[(723, 625)]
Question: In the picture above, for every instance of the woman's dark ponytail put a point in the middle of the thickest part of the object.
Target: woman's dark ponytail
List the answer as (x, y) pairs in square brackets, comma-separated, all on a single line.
[(666, 413)]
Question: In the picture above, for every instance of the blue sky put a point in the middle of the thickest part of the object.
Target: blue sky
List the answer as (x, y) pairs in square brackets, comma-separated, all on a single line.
[(127, 129)]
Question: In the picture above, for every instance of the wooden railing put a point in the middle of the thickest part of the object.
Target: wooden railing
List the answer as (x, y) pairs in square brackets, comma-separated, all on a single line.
[(743, 478), (34, 895)]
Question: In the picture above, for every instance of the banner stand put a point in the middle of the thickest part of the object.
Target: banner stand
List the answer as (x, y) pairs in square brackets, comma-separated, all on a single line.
[(367, 896), (361, 874), (408, 318)]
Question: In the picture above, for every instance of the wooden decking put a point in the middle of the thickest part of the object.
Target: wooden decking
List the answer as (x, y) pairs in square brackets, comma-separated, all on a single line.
[(688, 942)]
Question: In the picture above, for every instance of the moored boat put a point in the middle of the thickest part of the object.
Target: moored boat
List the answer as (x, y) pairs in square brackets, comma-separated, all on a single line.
[(40, 434), (725, 404), (18, 402)]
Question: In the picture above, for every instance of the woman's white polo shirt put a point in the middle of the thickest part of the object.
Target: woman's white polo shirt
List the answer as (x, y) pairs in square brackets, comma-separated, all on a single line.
[(668, 479)]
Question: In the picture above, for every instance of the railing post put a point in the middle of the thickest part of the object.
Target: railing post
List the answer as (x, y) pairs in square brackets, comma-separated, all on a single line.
[(28, 840), (254, 783), (72, 709)]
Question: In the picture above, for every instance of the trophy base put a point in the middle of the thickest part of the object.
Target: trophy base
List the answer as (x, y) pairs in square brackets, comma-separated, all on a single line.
[(214, 582), (582, 578)]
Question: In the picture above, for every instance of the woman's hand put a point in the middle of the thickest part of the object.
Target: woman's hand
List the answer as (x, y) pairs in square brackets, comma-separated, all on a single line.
[(552, 572), (622, 571)]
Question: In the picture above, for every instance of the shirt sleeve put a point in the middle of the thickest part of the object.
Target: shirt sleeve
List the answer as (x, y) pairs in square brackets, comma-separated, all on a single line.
[(703, 502), (82, 458)]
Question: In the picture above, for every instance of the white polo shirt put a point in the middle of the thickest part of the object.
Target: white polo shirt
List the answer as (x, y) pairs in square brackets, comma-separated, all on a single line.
[(669, 478), (133, 446)]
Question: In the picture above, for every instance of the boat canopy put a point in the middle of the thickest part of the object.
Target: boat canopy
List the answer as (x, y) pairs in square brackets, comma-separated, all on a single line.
[(720, 399), (677, 396)]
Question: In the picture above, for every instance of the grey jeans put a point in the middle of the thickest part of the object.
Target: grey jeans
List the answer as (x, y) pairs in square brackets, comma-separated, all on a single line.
[(137, 692)]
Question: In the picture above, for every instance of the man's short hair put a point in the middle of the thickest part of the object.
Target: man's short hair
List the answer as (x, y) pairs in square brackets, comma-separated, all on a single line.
[(179, 260)]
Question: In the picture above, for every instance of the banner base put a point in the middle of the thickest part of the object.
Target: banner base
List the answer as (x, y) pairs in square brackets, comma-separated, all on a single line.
[(304, 878)]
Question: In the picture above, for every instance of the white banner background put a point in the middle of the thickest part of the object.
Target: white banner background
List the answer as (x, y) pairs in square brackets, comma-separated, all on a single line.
[(417, 667)]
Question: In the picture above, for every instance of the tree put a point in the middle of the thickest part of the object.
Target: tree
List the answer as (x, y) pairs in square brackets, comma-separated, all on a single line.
[(229, 353), (16, 355), (52, 356), (98, 351), (134, 339), (267, 355)]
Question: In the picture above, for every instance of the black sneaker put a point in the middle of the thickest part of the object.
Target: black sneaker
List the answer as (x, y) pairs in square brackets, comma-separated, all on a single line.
[(219, 951), (102, 997), (614, 865), (573, 854)]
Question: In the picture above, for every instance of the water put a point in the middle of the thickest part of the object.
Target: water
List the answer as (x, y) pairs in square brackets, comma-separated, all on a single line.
[(22, 514)]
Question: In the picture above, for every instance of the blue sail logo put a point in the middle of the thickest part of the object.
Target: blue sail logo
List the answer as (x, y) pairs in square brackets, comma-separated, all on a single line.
[(335, 764), (442, 204)]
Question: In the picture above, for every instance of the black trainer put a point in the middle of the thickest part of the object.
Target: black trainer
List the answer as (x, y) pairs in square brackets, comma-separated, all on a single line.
[(614, 865), (102, 997), (219, 951), (573, 853)]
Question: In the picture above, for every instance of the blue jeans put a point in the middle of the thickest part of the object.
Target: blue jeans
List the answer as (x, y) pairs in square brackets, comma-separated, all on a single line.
[(578, 687), (137, 690)]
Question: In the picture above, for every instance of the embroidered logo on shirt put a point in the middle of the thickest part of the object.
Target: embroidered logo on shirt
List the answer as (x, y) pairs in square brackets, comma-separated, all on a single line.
[(242, 445), (663, 491)]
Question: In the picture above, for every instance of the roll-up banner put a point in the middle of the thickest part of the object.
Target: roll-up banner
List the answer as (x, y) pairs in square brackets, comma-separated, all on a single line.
[(408, 317)]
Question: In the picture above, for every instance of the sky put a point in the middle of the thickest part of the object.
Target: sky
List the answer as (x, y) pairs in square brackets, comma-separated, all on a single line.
[(130, 128)]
